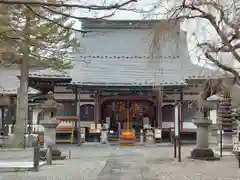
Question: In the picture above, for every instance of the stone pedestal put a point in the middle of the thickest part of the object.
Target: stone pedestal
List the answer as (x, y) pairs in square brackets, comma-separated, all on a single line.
[(202, 151), (50, 139), (49, 132)]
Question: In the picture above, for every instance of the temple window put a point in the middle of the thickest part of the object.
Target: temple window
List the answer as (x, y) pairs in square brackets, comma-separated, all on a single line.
[(168, 113), (69, 109)]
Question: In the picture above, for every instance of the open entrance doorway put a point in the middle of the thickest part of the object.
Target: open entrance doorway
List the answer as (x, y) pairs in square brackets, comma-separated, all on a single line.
[(128, 114)]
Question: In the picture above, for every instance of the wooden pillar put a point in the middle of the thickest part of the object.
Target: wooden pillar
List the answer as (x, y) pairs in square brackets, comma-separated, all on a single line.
[(96, 109), (100, 108), (78, 113), (159, 108)]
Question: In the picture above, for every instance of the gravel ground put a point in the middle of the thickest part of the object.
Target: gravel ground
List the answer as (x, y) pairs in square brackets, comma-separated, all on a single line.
[(97, 162)]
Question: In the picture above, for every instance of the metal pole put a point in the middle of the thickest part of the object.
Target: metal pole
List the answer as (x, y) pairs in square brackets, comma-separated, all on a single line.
[(238, 157), (175, 146), (180, 119), (179, 133), (77, 96), (221, 142)]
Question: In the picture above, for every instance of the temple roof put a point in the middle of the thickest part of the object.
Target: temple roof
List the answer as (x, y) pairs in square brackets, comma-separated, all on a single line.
[(48, 73), (117, 52), (9, 83)]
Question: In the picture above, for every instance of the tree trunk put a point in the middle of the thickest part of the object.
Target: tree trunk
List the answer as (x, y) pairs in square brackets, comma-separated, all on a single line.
[(22, 106)]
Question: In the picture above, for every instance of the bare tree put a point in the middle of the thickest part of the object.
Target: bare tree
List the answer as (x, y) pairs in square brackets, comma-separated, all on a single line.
[(222, 19)]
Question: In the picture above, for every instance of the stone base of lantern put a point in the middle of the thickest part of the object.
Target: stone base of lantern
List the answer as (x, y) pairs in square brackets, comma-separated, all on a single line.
[(50, 139), (202, 151), (206, 154), (56, 154)]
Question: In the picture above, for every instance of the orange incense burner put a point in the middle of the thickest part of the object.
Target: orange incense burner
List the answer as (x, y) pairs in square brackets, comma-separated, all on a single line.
[(127, 135), (127, 138)]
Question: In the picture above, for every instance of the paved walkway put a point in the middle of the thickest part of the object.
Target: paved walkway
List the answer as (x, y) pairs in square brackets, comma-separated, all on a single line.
[(93, 162), (16, 154)]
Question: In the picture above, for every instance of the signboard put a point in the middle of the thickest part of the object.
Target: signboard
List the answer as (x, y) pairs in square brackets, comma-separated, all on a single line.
[(83, 132), (176, 120), (236, 146), (158, 133), (92, 128)]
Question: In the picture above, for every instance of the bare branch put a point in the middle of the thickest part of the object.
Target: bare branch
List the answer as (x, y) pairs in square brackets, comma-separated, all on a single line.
[(75, 17), (212, 19), (50, 20), (58, 4)]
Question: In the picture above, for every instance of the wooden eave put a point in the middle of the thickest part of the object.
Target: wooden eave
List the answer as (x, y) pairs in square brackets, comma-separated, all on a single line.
[(94, 88)]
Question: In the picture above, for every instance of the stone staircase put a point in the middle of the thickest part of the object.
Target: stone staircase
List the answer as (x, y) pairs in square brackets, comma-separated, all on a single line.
[(114, 137)]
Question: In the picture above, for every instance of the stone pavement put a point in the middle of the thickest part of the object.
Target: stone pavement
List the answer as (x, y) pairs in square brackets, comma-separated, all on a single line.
[(16, 154), (97, 162)]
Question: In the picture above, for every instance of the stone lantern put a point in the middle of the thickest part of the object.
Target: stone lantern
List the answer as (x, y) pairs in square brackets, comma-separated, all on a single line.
[(202, 151), (50, 123)]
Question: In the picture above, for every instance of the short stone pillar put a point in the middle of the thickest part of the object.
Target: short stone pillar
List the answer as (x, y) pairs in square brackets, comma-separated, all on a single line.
[(202, 151), (141, 137), (149, 136), (104, 135)]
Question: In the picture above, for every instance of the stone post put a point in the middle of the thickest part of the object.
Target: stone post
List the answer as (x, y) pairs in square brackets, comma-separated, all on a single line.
[(104, 134), (150, 140), (202, 151), (141, 137)]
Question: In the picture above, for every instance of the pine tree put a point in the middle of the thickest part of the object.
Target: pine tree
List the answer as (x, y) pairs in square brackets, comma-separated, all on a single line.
[(32, 37)]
